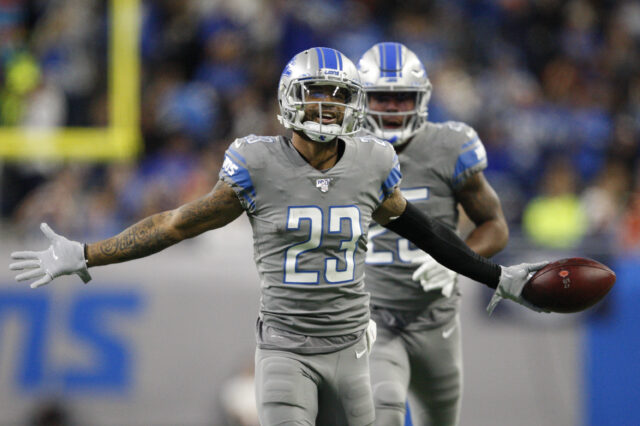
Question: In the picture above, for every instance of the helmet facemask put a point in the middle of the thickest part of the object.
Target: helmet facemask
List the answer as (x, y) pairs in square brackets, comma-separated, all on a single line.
[(395, 124), (322, 109)]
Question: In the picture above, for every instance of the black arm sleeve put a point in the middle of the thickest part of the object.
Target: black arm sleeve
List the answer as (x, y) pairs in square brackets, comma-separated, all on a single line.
[(444, 245)]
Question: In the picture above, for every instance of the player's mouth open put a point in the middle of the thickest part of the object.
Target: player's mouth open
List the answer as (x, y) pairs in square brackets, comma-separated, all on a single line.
[(392, 124), (328, 118)]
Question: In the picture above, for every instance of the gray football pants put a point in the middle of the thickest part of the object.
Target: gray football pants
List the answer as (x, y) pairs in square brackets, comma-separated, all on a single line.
[(324, 389), (429, 362)]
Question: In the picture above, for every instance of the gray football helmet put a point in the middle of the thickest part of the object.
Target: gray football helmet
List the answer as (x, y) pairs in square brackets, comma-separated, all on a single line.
[(317, 118), (392, 67)]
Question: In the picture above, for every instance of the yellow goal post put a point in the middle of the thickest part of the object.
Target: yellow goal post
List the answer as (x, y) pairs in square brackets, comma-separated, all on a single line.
[(119, 140)]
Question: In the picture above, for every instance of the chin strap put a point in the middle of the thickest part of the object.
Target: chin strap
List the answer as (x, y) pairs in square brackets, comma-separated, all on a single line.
[(319, 132)]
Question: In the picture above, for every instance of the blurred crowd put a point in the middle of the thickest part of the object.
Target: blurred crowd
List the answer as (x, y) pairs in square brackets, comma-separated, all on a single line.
[(551, 86)]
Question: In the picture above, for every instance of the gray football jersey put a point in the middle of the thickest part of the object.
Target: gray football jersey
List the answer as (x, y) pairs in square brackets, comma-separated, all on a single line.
[(434, 164), (310, 229)]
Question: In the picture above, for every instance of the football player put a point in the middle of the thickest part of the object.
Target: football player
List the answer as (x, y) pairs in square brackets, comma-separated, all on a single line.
[(416, 305), (310, 199)]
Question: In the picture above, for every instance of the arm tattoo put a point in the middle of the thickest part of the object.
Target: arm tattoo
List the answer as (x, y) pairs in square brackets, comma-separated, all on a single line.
[(146, 237), (162, 230), (216, 209)]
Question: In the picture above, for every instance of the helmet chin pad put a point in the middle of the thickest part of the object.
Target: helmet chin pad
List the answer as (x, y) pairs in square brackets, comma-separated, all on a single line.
[(395, 137), (321, 132)]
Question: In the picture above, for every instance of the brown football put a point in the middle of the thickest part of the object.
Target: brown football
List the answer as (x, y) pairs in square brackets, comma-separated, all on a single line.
[(569, 285)]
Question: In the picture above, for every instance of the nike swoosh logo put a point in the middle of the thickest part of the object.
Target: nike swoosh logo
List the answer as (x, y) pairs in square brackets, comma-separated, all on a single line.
[(447, 333), (359, 354)]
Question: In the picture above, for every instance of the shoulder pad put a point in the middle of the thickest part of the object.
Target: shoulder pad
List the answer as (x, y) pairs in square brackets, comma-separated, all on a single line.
[(466, 132), (373, 141), (251, 139)]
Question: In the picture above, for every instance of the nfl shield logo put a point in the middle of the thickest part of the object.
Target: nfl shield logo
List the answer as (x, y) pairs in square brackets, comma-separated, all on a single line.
[(323, 184)]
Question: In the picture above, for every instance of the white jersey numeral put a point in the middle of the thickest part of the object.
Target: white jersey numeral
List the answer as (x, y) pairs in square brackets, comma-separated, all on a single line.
[(314, 216), (337, 215), (404, 251), (377, 257), (297, 215)]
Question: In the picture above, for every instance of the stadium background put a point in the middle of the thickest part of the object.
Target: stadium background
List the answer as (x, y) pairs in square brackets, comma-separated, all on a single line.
[(97, 131)]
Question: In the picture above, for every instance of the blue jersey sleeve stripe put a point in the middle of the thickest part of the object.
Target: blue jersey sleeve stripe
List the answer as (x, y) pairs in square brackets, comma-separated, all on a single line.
[(469, 143), (237, 155), (396, 161), (250, 202), (239, 175), (330, 58), (392, 180), (466, 160)]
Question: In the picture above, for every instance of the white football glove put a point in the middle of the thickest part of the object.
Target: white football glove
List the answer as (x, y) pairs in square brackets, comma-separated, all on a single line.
[(434, 276), (512, 281), (63, 257), (371, 334)]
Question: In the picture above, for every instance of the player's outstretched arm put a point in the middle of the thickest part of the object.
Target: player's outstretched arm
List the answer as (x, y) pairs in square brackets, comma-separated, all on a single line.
[(161, 230), (150, 235), (446, 247)]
